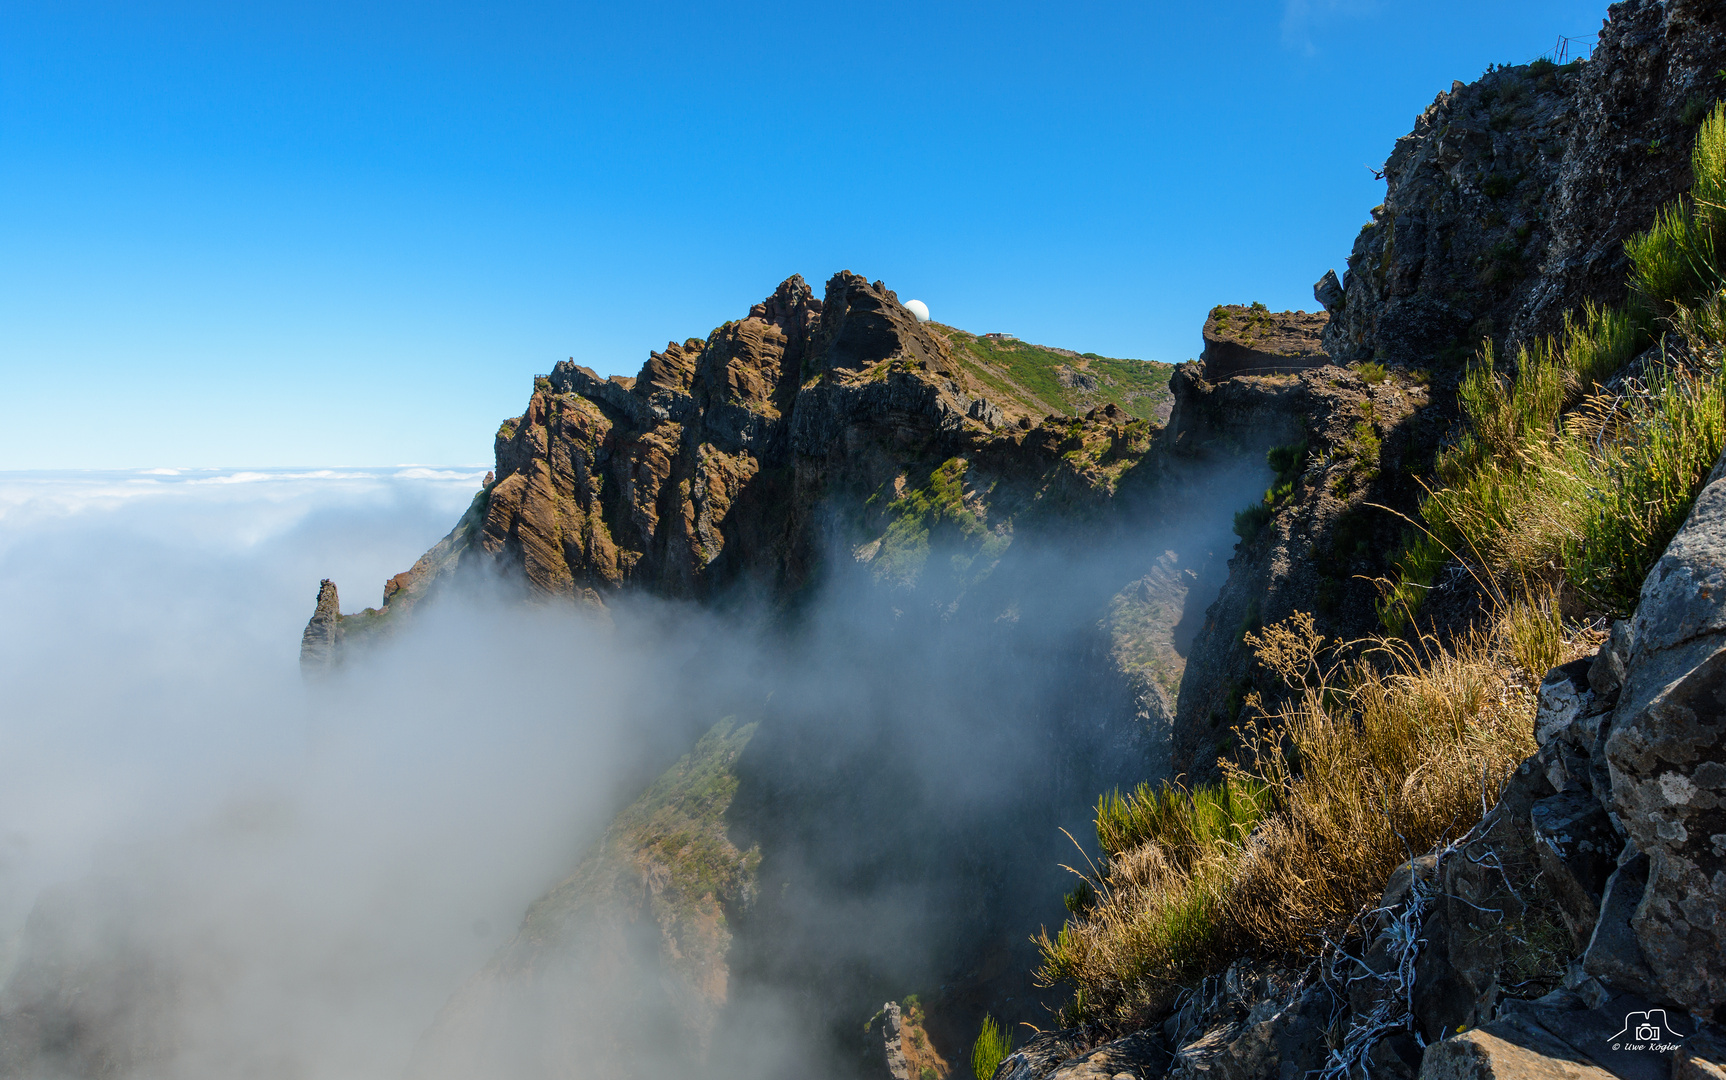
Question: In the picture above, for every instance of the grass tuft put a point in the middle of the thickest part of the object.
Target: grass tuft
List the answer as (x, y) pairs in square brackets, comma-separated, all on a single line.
[(1383, 750), (993, 1045), (1252, 521), (1593, 496)]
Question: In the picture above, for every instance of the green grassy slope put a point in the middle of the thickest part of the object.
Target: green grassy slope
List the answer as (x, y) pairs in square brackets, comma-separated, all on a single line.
[(1036, 380)]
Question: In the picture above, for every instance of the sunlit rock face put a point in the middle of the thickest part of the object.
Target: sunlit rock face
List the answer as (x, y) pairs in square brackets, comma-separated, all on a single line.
[(1509, 203), (982, 607)]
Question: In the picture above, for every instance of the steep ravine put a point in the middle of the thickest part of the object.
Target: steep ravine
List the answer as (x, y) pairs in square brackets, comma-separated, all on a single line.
[(1022, 581)]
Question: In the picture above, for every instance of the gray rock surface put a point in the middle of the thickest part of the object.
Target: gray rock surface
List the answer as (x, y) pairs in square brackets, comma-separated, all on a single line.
[(1509, 203), (886, 1044), (1578, 850), (1042, 1054), (1564, 694), (1666, 753), (1613, 953), (1500, 1052), (1328, 292), (320, 644), (1138, 1056)]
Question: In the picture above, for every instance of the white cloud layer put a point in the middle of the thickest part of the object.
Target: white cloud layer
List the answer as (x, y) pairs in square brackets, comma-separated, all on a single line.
[(326, 870)]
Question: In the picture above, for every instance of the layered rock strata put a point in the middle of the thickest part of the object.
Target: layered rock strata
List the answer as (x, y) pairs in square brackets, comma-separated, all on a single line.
[(1251, 340)]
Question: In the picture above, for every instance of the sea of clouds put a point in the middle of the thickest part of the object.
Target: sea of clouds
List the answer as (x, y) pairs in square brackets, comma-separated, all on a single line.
[(321, 867)]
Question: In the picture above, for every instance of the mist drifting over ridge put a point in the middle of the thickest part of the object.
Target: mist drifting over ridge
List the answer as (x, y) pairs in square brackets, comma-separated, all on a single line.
[(252, 876), (295, 879)]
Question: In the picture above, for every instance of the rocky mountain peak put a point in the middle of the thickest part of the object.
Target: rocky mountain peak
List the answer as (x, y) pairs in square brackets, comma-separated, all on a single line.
[(863, 324)]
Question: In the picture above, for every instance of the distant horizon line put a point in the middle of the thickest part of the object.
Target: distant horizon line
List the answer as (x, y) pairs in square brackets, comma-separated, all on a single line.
[(303, 470)]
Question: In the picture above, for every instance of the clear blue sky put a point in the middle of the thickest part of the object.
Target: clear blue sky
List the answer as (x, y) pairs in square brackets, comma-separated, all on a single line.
[(340, 234)]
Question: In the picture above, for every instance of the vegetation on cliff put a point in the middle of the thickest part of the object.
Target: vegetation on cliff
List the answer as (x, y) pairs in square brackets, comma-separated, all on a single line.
[(1038, 380), (1575, 465), (1573, 472), (1377, 755)]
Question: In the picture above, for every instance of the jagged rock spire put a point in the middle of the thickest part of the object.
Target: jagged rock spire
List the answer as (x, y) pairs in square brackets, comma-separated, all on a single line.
[(322, 639)]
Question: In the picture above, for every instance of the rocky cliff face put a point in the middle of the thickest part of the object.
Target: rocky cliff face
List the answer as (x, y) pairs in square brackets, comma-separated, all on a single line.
[(1605, 847), (1252, 340), (836, 446), (1348, 446), (1509, 203), (706, 466), (744, 457)]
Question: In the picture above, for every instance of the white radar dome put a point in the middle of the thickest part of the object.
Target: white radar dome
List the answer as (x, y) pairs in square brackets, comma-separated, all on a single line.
[(919, 309)]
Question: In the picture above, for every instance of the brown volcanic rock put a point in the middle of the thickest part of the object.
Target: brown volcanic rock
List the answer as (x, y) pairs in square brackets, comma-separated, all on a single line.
[(323, 635), (863, 325), (604, 482), (1241, 339)]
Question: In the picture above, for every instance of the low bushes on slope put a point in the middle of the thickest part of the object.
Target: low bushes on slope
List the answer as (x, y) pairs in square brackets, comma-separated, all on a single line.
[(1560, 475), (1378, 754)]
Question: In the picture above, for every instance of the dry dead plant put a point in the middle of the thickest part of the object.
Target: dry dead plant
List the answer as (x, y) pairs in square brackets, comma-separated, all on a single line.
[(1372, 761)]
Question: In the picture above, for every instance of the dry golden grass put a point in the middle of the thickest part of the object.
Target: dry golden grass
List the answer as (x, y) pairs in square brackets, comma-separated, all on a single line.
[(1384, 751)]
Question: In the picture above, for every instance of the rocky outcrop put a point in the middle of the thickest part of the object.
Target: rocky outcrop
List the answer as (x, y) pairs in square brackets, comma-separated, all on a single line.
[(1575, 932), (706, 468), (1243, 340), (1348, 443), (1638, 100), (694, 472), (1509, 203), (897, 1047), (323, 635), (1665, 751)]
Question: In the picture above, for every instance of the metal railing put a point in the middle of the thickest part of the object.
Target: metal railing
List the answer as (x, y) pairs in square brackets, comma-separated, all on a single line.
[(1560, 53)]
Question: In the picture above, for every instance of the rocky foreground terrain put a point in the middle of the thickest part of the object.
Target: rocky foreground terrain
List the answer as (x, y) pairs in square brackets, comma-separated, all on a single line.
[(1061, 557)]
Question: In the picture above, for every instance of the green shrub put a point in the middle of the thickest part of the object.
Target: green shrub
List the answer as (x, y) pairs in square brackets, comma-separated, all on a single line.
[(1660, 268), (1676, 263), (1601, 342), (1288, 462), (1188, 824), (1653, 456), (993, 1045), (1371, 371), (1252, 521)]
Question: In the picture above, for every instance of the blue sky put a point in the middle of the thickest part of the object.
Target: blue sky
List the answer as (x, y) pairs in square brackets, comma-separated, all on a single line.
[(344, 234)]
